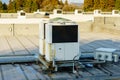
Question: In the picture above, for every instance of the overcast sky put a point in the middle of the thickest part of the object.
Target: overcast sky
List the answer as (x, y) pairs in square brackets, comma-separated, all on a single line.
[(78, 1)]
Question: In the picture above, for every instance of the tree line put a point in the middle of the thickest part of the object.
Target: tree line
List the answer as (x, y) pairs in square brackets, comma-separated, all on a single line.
[(33, 5), (104, 5)]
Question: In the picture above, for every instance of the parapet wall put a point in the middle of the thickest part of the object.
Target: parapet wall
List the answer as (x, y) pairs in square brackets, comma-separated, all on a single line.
[(33, 29), (107, 24), (18, 29), (85, 26), (101, 24), (15, 15)]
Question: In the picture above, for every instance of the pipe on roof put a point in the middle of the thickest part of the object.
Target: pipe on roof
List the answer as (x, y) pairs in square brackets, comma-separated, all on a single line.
[(18, 58)]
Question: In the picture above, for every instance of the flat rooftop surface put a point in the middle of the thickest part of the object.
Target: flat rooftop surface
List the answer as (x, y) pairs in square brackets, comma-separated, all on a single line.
[(32, 71), (19, 45), (91, 41)]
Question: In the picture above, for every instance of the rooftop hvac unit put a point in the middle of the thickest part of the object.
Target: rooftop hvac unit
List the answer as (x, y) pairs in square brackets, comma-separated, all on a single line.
[(42, 37), (59, 43), (61, 40)]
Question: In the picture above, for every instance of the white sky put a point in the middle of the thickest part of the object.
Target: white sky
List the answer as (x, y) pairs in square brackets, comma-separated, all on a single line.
[(77, 1)]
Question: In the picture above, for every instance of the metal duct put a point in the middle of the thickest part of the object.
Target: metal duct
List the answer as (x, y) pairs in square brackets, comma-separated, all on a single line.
[(86, 55), (18, 58)]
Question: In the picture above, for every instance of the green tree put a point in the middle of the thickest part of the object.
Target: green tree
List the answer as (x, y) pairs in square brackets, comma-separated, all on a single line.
[(117, 4), (4, 7), (96, 4), (39, 3), (20, 4), (61, 4), (68, 8), (46, 5), (54, 2), (28, 5), (88, 5), (66, 2), (103, 4), (34, 6), (1, 6), (111, 5), (50, 5), (12, 6)]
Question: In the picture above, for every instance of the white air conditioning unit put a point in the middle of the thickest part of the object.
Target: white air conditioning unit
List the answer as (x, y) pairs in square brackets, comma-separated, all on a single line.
[(61, 41), (42, 37)]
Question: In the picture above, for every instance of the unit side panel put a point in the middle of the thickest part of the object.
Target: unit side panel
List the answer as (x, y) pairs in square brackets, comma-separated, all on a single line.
[(71, 50)]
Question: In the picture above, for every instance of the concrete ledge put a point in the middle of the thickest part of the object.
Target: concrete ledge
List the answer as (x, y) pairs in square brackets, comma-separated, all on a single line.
[(107, 24), (85, 26), (26, 29), (97, 27), (112, 29), (18, 29)]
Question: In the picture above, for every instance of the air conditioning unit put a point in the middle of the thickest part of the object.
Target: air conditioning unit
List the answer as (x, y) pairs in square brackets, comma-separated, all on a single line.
[(61, 41), (42, 37)]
